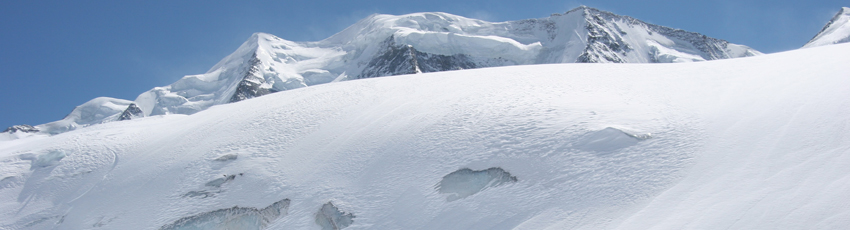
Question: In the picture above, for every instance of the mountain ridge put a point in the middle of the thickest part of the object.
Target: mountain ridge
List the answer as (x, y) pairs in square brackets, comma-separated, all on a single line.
[(386, 45), (836, 31)]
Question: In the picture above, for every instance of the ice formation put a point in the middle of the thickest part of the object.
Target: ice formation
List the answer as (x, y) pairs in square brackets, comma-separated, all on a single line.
[(232, 218), (466, 182), (608, 139), (331, 218)]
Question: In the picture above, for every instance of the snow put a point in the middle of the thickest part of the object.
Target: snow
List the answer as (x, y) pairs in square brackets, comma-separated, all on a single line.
[(750, 143), (465, 182), (266, 64), (836, 30), (608, 139), (285, 65), (95, 111), (330, 218), (232, 218), (48, 159)]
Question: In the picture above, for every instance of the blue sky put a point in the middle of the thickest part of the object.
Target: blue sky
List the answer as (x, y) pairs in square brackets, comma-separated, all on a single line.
[(55, 55)]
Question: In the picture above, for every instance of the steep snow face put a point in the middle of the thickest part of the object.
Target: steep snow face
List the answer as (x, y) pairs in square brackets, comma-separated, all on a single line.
[(386, 45), (264, 64), (750, 143), (836, 30), (622, 39)]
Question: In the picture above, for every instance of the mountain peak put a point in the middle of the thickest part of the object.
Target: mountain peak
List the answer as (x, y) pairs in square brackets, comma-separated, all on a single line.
[(386, 45), (837, 30)]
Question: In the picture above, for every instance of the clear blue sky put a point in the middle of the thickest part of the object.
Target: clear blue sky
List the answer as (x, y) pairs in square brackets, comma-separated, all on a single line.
[(55, 55)]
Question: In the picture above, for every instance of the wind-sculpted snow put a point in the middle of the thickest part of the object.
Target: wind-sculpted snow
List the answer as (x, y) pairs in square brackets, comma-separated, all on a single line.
[(389, 45), (47, 159), (835, 31), (232, 218), (750, 143), (465, 182)]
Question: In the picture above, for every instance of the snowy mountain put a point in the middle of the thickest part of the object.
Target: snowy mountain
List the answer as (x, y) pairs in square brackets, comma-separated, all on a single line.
[(386, 45), (95, 111), (836, 30), (749, 143)]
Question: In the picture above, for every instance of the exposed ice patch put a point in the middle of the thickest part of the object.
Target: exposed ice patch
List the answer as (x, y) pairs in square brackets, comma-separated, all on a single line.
[(205, 194), (215, 184), (232, 218), (608, 139), (465, 182), (45, 222), (228, 157), (331, 218)]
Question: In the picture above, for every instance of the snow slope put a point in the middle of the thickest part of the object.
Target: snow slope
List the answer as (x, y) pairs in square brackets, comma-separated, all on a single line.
[(835, 31), (751, 143), (386, 45)]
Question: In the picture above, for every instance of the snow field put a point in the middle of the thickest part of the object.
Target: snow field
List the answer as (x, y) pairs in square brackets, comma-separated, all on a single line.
[(750, 143)]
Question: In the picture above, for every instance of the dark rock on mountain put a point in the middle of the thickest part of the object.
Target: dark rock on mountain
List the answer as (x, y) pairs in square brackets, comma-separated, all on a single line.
[(131, 112), (21, 128), (399, 59), (251, 85)]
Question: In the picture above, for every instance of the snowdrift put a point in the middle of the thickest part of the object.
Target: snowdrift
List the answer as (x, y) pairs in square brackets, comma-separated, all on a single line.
[(751, 143)]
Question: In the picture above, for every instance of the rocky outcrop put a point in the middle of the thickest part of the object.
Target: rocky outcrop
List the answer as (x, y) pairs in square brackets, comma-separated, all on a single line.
[(21, 128), (400, 59), (233, 218), (131, 112), (252, 85), (603, 45)]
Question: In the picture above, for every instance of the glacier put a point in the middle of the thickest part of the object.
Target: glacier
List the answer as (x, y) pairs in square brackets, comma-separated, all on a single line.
[(747, 143), (386, 45)]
